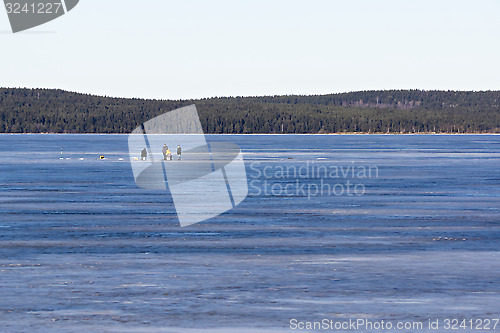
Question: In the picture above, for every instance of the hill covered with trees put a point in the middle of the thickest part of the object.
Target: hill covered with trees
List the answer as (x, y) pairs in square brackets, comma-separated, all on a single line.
[(391, 111)]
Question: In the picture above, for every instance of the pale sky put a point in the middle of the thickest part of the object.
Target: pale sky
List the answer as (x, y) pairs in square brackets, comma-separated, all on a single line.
[(200, 48)]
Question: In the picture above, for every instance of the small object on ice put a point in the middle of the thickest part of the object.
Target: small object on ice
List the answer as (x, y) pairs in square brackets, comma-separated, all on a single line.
[(101, 157)]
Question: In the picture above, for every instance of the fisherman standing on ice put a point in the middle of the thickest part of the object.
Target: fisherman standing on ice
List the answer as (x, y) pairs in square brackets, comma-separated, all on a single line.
[(179, 151), (144, 154), (164, 151)]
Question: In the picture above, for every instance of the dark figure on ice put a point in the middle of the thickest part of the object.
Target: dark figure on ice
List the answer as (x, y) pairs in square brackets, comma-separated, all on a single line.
[(144, 154), (179, 152)]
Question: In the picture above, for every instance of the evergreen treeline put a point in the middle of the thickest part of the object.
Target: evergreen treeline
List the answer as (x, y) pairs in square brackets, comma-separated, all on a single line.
[(394, 111)]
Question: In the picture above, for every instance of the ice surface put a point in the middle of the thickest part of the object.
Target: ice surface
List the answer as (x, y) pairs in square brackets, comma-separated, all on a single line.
[(82, 247)]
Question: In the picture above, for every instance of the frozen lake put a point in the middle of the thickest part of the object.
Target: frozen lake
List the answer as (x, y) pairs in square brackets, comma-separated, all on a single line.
[(82, 247)]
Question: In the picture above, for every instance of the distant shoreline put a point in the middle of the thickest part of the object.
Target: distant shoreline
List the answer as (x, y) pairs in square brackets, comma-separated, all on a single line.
[(364, 112)]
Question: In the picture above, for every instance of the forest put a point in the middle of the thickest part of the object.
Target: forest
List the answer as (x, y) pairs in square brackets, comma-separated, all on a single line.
[(389, 111)]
